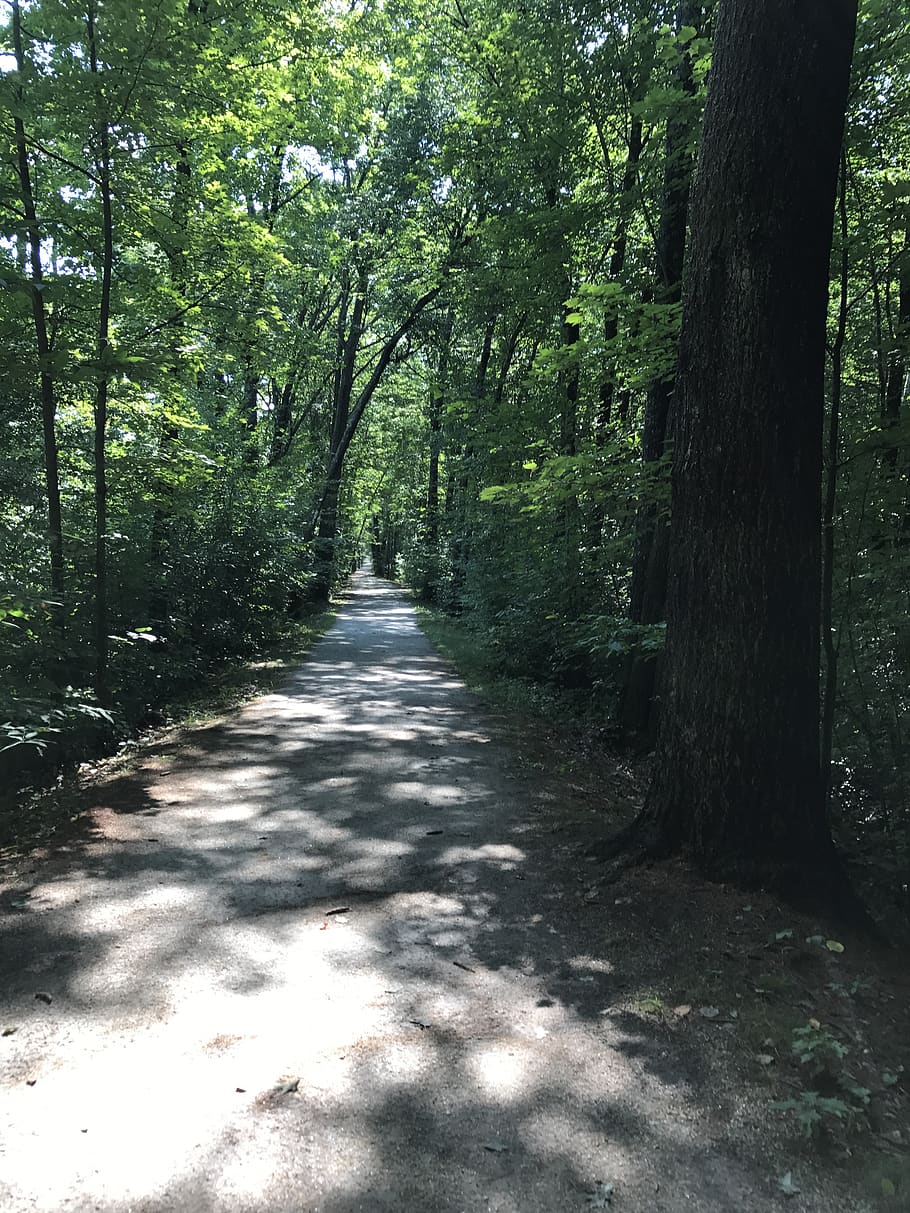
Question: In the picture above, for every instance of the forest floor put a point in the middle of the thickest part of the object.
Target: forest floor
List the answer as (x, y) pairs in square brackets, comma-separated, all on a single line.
[(344, 950)]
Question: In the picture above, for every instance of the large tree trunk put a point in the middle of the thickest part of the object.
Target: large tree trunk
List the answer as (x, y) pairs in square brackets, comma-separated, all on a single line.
[(737, 781)]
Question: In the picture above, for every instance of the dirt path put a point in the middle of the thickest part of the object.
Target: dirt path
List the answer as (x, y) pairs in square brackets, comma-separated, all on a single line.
[(347, 887)]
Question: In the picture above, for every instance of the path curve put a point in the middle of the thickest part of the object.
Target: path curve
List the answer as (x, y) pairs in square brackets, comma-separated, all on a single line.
[(344, 888)]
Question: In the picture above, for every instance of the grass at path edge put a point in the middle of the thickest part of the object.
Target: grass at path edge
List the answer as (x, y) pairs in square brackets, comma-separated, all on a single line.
[(481, 666)]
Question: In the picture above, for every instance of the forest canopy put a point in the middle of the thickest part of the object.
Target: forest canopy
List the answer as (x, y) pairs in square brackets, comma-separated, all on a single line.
[(286, 285)]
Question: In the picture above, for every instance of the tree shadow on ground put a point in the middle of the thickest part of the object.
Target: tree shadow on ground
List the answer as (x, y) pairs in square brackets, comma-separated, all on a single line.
[(350, 883)]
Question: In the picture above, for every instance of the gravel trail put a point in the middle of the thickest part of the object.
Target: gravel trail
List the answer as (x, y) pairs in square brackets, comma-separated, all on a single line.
[(321, 957)]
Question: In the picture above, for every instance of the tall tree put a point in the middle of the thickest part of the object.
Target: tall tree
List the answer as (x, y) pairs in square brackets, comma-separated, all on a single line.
[(737, 781), (102, 168), (648, 590), (31, 235)]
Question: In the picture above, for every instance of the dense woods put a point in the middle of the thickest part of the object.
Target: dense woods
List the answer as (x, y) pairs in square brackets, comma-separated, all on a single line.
[(488, 295)]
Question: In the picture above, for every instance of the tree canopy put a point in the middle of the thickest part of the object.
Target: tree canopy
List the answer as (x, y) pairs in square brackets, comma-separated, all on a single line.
[(285, 285)]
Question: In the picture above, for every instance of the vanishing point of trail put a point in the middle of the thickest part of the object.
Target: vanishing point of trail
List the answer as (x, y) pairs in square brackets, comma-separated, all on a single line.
[(321, 957)]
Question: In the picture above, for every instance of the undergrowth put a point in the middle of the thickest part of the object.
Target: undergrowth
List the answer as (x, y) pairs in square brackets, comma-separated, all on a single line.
[(30, 815), (480, 662)]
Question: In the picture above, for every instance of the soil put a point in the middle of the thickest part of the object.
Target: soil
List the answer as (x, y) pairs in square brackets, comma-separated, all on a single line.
[(346, 949)]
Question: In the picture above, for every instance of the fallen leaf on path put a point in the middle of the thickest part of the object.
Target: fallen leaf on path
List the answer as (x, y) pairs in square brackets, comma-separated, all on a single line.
[(682, 1010), (888, 1188), (240, 1090), (709, 1012), (43, 996), (601, 1197), (833, 946), (337, 910), (9, 1031), (788, 1185), (30, 1082)]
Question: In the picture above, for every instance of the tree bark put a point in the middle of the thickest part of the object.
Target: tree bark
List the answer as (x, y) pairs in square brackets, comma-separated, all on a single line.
[(649, 560), (349, 338), (829, 640), (897, 355), (42, 342), (159, 599), (345, 420), (617, 265), (102, 385), (437, 397), (461, 529), (737, 782)]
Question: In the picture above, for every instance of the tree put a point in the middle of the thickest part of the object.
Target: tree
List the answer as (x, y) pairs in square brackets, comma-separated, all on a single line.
[(647, 594), (30, 235), (737, 781)]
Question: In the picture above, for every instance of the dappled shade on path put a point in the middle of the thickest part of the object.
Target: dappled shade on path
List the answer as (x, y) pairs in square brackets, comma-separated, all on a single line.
[(347, 883)]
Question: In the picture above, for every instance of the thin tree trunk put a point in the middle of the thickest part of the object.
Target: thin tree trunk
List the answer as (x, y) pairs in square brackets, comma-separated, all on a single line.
[(159, 602), (282, 418), (432, 509), (346, 419), (42, 342), (437, 394), (102, 386), (461, 528), (829, 641), (897, 359), (571, 526), (617, 265), (252, 377), (651, 550), (327, 532)]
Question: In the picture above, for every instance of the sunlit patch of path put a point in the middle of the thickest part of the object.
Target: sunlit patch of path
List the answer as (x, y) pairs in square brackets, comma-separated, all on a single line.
[(343, 884)]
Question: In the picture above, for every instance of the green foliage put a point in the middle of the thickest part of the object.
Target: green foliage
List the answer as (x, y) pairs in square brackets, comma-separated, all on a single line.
[(812, 1110), (830, 1093), (269, 173), (817, 1050)]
